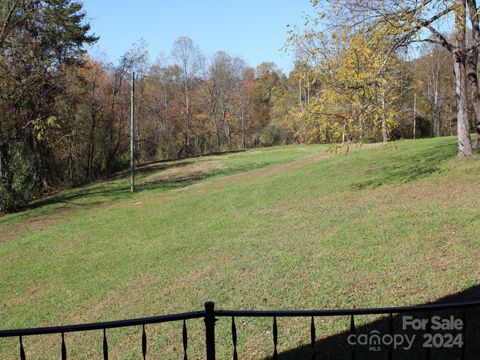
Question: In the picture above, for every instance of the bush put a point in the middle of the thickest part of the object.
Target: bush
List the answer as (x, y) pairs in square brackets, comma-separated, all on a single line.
[(272, 135), (368, 137), (20, 182), (404, 130)]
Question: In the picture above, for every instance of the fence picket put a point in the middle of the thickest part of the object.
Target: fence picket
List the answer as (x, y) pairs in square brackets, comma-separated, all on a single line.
[(313, 337), (352, 331), (144, 342), (22, 350), (234, 339), (105, 345), (464, 335), (390, 331), (64, 348), (275, 338), (429, 329), (185, 340)]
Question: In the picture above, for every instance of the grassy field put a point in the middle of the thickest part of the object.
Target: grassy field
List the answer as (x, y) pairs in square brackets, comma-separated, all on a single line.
[(278, 228)]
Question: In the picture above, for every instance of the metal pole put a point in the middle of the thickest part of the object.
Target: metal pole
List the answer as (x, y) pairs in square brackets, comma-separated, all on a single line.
[(414, 114), (1, 175), (210, 329), (132, 136)]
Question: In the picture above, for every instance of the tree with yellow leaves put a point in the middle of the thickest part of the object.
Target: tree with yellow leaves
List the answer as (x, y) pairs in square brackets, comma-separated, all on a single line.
[(353, 86)]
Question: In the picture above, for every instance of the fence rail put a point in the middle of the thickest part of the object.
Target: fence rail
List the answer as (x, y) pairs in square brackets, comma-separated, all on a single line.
[(210, 315)]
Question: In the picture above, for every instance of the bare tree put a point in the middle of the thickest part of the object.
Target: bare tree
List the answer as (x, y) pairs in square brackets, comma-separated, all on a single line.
[(225, 76), (191, 61), (433, 91)]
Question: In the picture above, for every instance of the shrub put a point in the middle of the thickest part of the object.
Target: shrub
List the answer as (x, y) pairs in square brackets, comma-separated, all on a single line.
[(272, 135), (20, 182)]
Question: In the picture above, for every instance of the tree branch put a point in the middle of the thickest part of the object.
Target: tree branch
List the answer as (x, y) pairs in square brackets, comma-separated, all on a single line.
[(3, 31)]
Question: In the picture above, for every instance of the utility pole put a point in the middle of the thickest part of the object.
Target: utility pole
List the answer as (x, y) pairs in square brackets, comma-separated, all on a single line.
[(1, 174), (414, 114), (132, 136)]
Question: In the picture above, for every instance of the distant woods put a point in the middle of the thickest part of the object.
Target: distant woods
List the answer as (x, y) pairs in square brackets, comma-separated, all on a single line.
[(64, 116)]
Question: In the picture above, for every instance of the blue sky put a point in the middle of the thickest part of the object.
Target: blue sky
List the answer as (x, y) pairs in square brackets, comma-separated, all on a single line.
[(254, 30)]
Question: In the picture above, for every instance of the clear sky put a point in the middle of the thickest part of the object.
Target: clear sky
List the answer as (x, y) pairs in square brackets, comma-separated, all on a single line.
[(252, 29)]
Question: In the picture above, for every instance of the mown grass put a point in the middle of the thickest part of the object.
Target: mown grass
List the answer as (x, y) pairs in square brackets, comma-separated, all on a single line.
[(118, 189), (390, 225)]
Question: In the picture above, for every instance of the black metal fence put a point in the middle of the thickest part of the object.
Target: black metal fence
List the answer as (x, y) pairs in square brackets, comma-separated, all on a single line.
[(211, 315)]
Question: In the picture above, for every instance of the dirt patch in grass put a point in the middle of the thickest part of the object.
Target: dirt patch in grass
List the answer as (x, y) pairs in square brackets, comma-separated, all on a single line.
[(187, 172), (36, 290), (29, 226), (298, 163), (272, 170), (73, 241)]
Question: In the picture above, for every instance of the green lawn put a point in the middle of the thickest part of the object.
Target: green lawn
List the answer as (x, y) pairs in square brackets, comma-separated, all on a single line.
[(279, 228)]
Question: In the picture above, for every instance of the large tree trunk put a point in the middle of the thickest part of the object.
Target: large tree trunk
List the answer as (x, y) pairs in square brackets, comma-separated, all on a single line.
[(472, 60), (459, 55), (463, 126)]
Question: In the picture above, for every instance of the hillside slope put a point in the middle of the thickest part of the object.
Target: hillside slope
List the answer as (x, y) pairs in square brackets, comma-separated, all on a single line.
[(288, 227)]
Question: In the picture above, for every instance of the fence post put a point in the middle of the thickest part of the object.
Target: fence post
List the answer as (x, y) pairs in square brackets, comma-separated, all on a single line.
[(210, 329)]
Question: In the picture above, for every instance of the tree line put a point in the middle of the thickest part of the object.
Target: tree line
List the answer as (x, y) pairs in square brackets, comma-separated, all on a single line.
[(64, 117), (351, 87), (352, 51)]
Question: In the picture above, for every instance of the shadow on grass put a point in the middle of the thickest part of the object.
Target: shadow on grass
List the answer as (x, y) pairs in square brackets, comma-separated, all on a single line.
[(121, 191), (88, 196), (398, 170), (111, 189), (337, 347), (118, 187)]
